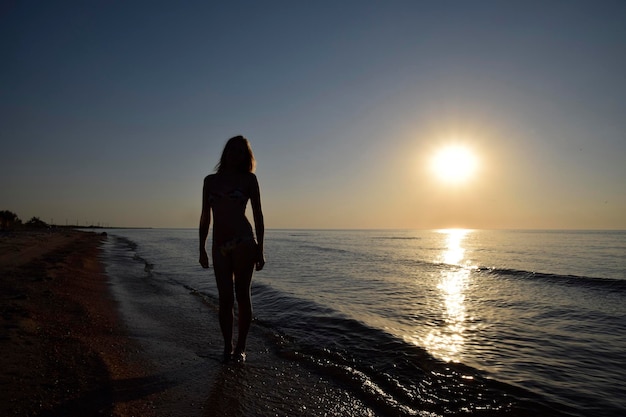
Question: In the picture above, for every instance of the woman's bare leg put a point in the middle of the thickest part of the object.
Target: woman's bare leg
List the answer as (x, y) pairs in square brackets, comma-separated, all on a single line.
[(223, 269), (244, 257)]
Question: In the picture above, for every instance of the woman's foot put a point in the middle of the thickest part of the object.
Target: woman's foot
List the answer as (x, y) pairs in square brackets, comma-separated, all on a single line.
[(227, 356), (239, 357)]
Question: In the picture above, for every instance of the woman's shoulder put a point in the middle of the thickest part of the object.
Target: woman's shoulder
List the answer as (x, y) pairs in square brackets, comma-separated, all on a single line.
[(250, 178), (242, 178), (210, 179)]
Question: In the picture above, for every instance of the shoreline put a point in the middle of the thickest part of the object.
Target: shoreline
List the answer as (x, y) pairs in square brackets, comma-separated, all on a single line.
[(63, 348)]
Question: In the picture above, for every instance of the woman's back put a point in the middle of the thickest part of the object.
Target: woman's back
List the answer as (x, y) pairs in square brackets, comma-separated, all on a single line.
[(228, 195)]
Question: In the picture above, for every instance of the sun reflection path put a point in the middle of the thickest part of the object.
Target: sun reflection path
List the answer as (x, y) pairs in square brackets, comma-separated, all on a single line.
[(447, 342)]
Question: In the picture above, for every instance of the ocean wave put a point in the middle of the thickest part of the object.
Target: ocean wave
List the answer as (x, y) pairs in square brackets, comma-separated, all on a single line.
[(389, 374), (606, 284), (396, 238), (325, 249)]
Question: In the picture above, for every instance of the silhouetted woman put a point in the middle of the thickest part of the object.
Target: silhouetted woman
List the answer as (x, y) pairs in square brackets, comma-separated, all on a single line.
[(235, 251)]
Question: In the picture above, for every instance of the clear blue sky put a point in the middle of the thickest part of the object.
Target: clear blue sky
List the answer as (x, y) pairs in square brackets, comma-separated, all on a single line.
[(113, 112)]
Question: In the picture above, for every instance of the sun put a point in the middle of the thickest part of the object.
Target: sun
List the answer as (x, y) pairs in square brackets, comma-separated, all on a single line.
[(454, 164)]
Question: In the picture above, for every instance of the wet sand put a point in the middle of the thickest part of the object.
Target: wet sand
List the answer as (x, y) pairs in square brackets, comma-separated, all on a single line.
[(63, 349)]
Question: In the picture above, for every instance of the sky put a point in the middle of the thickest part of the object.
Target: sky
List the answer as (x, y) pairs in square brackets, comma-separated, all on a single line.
[(112, 112)]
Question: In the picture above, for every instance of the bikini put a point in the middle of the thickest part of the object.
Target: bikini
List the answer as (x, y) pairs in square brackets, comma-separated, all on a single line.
[(236, 195), (232, 244)]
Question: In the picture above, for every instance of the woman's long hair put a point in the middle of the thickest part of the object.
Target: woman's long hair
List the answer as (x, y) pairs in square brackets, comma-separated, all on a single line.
[(237, 156)]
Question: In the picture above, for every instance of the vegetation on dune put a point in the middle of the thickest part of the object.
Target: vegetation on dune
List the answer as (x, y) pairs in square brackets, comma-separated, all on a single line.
[(10, 221)]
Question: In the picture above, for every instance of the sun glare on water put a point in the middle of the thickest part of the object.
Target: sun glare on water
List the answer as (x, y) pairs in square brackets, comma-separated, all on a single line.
[(454, 164)]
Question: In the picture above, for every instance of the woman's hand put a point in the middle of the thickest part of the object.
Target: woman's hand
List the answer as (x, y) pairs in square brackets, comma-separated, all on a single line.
[(204, 258), (260, 260)]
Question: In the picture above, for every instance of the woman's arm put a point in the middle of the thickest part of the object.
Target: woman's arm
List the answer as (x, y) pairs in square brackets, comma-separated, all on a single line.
[(205, 221), (259, 226)]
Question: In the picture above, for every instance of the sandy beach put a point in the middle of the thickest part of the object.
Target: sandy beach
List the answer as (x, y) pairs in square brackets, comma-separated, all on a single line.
[(63, 348)]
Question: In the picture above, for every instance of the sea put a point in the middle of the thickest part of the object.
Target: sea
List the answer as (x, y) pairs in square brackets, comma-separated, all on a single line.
[(391, 322)]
